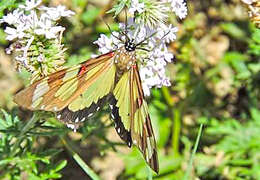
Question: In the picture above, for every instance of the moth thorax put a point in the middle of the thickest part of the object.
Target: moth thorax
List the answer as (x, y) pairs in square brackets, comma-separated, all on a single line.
[(124, 59)]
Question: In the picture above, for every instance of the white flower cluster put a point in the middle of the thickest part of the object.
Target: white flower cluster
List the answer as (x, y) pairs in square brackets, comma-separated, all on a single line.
[(163, 7), (31, 28), (179, 7), (25, 21), (149, 17), (153, 61)]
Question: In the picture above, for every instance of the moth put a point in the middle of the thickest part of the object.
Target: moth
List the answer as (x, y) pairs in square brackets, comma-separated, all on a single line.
[(76, 93)]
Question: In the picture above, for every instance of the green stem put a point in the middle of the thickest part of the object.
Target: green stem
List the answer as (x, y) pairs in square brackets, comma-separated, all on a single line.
[(167, 96), (176, 118), (80, 162), (25, 129), (176, 130), (187, 174)]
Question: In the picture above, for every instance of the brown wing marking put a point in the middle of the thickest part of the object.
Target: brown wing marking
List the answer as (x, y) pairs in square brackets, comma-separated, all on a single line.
[(75, 119), (141, 127)]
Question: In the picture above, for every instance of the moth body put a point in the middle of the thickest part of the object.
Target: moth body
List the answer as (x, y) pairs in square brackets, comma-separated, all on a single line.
[(124, 59)]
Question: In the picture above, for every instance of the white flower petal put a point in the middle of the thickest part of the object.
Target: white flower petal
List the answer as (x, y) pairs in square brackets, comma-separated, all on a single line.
[(30, 4)]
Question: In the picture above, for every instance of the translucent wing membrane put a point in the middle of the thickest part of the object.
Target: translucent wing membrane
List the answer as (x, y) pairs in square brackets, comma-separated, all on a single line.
[(132, 120)]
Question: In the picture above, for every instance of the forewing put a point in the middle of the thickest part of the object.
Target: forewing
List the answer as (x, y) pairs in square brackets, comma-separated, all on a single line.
[(91, 100), (62, 88), (141, 127)]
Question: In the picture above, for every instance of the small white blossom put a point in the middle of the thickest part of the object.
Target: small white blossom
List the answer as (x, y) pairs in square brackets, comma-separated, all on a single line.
[(23, 60), (168, 33), (108, 44), (45, 27), (30, 4), (12, 18), (41, 58), (179, 7), (13, 33), (153, 13), (57, 12), (136, 7)]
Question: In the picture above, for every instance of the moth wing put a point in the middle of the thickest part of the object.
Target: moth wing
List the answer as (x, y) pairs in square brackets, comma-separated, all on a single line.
[(62, 88), (93, 97), (141, 128), (120, 109), (131, 116)]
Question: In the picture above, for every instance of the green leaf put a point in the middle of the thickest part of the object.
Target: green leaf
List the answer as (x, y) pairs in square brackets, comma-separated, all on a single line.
[(164, 132), (234, 30), (255, 114), (188, 171), (256, 35), (7, 4), (237, 61), (119, 7), (89, 16), (61, 165), (254, 44), (2, 37), (80, 3)]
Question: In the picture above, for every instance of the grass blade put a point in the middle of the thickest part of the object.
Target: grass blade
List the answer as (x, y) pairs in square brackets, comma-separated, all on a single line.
[(80, 162), (188, 171)]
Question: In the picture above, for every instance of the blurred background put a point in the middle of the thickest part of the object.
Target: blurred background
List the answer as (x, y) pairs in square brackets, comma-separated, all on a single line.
[(215, 82)]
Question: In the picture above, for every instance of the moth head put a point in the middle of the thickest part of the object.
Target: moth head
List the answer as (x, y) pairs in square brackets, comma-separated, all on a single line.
[(130, 45)]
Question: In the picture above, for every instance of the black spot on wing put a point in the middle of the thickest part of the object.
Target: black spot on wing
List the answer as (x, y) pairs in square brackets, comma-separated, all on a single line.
[(124, 134), (75, 119)]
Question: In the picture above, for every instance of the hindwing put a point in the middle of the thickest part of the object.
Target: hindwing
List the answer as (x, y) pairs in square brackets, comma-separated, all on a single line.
[(132, 120)]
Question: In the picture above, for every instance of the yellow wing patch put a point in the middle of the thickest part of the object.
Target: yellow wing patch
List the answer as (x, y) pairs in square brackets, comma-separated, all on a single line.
[(101, 87), (121, 93)]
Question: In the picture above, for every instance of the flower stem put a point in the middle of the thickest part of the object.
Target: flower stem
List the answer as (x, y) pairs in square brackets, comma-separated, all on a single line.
[(176, 130), (176, 119)]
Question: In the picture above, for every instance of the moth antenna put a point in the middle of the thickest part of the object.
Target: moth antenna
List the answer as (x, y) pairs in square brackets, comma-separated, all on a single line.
[(126, 21), (165, 34), (145, 39), (150, 37), (142, 62), (111, 31), (147, 50)]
